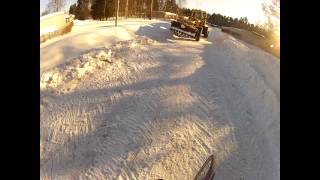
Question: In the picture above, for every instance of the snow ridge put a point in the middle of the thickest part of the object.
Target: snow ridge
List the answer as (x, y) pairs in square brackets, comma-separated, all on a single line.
[(99, 58)]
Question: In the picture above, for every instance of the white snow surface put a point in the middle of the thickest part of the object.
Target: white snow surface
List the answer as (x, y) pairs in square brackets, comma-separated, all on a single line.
[(139, 103)]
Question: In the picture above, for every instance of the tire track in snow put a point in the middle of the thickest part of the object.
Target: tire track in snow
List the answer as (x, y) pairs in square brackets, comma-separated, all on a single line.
[(162, 121), (250, 139)]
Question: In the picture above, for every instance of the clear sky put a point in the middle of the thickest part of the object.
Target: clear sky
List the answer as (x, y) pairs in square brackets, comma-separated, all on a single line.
[(235, 8), (252, 9)]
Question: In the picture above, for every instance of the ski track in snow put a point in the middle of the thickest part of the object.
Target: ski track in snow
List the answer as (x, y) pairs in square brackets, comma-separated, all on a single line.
[(159, 109)]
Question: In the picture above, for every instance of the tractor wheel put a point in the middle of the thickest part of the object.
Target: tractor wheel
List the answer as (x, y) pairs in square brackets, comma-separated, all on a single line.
[(205, 32), (198, 35)]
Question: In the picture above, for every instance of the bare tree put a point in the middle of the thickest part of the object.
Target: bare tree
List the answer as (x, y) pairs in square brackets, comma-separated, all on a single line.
[(272, 12), (55, 6), (272, 8), (182, 3)]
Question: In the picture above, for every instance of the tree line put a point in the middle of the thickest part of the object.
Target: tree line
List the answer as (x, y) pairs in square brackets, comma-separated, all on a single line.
[(103, 9), (241, 23)]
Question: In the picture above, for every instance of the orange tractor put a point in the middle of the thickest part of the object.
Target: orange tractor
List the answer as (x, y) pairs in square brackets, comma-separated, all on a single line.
[(192, 27)]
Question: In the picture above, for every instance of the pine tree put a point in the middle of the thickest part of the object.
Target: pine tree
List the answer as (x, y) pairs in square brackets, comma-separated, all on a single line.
[(171, 6), (155, 5), (82, 10), (98, 9), (72, 9)]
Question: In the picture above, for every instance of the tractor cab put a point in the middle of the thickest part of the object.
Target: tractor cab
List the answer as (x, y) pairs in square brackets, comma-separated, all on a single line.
[(198, 17)]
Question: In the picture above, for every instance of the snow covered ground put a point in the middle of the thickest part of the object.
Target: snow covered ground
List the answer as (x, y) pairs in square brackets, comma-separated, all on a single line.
[(134, 102), (84, 36)]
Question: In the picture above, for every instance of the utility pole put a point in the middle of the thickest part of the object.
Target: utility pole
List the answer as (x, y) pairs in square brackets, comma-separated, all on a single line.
[(151, 7), (117, 12), (144, 9), (127, 8), (104, 9)]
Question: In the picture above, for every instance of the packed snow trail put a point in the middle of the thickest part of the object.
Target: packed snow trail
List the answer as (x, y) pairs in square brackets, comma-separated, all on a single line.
[(157, 107)]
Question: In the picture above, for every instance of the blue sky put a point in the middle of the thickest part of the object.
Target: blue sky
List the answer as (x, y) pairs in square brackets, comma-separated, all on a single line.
[(43, 4), (235, 8)]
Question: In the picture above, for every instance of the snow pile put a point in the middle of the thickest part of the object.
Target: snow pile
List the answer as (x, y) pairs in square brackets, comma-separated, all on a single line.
[(47, 30), (84, 22), (77, 68)]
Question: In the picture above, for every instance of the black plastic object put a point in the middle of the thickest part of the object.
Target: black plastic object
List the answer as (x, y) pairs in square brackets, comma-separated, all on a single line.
[(208, 170)]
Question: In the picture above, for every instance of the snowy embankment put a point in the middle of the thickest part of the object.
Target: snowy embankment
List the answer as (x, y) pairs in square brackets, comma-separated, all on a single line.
[(84, 36), (76, 69), (157, 106)]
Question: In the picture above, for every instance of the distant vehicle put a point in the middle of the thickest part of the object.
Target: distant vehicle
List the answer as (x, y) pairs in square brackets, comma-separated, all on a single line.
[(214, 25)]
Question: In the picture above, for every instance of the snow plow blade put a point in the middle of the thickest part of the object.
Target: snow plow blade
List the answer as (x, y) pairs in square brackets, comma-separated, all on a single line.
[(184, 30)]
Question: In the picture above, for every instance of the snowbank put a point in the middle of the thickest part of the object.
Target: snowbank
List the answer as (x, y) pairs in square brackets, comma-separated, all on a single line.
[(83, 22), (52, 22), (47, 30), (87, 63)]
